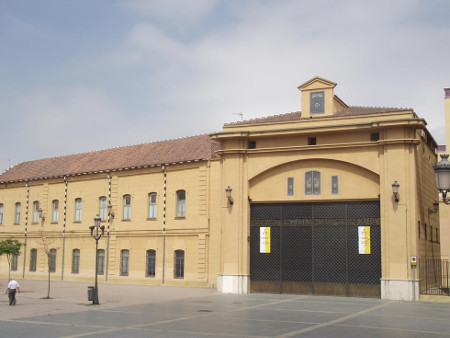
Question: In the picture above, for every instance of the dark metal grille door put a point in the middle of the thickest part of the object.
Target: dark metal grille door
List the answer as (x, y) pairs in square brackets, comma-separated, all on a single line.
[(314, 248)]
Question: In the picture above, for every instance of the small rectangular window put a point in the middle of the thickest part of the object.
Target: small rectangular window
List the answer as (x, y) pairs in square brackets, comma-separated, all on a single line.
[(251, 144), (418, 223), (290, 186), (312, 141), (1, 213), (334, 185), (127, 207), (374, 137)]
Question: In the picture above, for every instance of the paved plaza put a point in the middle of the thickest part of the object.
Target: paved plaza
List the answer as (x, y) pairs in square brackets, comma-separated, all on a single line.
[(165, 311)]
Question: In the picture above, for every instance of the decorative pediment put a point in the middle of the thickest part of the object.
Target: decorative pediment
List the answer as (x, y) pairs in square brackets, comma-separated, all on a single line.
[(317, 83)]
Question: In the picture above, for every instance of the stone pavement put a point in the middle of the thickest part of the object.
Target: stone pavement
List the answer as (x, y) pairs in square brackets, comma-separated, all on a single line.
[(165, 311)]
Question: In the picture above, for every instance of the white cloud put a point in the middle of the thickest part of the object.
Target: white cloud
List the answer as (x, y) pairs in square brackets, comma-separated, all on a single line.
[(175, 11)]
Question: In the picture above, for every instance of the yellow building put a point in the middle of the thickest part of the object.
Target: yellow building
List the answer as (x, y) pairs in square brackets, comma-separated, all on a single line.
[(444, 209), (298, 203)]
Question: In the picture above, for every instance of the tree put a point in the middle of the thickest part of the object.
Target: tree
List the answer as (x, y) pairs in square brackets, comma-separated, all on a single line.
[(49, 252), (10, 247)]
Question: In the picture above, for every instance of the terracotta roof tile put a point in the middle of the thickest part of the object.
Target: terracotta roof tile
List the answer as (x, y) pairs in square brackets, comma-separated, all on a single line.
[(297, 116), (142, 155)]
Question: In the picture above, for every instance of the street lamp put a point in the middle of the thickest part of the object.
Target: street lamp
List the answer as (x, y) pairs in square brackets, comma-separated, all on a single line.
[(442, 172), (96, 236)]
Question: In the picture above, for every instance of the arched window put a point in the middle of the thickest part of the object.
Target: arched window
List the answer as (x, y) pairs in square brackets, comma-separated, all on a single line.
[(127, 207), (151, 263), (33, 259), (78, 209), (102, 208), (1, 213), (181, 203), (55, 211), (17, 218), (36, 212), (124, 262), (75, 260), (152, 205), (312, 183), (178, 264)]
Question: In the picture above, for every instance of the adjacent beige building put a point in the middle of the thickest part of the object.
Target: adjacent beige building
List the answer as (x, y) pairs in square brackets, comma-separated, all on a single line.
[(298, 203)]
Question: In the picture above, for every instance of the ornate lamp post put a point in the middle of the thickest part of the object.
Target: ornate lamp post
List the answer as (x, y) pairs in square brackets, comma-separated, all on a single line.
[(442, 171), (96, 236)]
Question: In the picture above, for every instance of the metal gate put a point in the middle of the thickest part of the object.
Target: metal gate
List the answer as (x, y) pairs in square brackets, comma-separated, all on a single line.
[(315, 248)]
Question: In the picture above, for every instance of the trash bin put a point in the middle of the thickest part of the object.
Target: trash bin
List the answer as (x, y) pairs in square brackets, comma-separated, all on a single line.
[(90, 293)]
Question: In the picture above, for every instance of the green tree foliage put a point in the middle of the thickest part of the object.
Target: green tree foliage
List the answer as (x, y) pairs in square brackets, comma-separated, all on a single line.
[(10, 247)]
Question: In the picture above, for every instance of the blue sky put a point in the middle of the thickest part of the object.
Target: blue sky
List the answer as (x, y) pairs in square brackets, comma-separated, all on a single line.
[(83, 75)]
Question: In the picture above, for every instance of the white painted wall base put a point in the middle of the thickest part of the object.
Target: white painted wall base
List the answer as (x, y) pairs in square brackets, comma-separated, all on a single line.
[(399, 289), (233, 283)]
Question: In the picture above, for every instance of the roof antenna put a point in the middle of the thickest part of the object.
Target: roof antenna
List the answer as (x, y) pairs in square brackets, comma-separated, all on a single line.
[(241, 115)]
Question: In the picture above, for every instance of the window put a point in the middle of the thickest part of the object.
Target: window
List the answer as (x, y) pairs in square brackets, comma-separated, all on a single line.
[(317, 102), (290, 186), (101, 262), (14, 263), (127, 207), (334, 185), (374, 137), (55, 211), (33, 259), (426, 237), (251, 144), (152, 205), (78, 209), (75, 260), (36, 212), (312, 141), (17, 218), (124, 261), (179, 264), (52, 261), (151, 262), (312, 183), (181, 203), (102, 208), (418, 223), (1, 213)]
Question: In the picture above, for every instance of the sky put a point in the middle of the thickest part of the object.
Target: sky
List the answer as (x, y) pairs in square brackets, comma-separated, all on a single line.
[(84, 75)]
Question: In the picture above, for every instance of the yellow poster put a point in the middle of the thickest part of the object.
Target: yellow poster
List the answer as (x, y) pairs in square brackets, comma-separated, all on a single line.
[(264, 239), (364, 240)]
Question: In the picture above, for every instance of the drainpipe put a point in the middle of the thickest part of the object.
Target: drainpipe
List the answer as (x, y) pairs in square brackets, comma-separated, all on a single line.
[(107, 226), (64, 227), (26, 229), (164, 223)]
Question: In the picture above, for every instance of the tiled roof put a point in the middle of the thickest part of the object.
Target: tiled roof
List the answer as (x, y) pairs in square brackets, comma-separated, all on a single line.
[(136, 156), (297, 116)]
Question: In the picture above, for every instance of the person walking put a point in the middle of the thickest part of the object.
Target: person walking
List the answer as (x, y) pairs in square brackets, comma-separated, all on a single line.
[(13, 286)]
